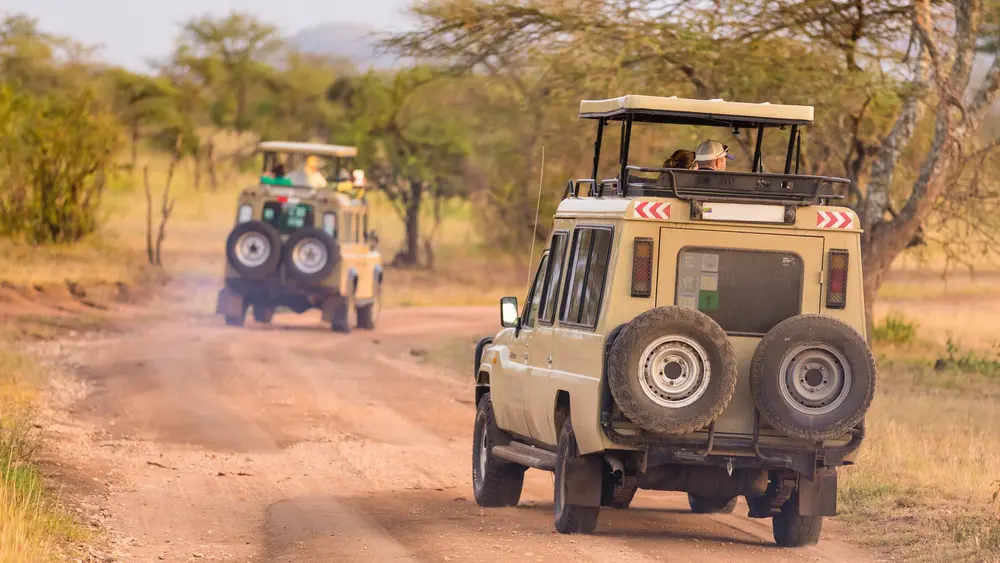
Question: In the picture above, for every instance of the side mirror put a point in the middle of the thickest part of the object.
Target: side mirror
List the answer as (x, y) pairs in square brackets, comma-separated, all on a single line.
[(509, 317)]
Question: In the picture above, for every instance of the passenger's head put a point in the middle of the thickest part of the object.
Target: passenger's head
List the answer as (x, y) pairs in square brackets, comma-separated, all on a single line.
[(712, 155), (312, 163), (681, 159)]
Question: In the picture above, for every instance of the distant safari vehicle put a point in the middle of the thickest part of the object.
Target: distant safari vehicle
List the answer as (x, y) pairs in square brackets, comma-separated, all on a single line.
[(301, 240), (694, 330)]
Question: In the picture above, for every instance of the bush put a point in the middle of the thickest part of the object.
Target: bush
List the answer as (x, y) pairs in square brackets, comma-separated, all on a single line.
[(895, 329), (55, 154), (968, 361)]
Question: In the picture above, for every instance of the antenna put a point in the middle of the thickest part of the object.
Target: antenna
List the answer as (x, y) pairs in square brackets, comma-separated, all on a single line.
[(534, 231)]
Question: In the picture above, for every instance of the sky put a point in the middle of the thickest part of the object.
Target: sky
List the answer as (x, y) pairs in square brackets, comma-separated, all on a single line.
[(130, 32)]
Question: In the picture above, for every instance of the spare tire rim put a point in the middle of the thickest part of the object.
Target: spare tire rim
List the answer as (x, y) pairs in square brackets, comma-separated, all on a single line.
[(674, 371), (309, 256), (815, 378), (252, 249)]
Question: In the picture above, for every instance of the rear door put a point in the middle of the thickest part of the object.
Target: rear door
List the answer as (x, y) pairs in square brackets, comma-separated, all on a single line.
[(746, 282)]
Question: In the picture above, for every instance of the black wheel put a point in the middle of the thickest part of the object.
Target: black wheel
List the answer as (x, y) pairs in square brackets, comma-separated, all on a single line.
[(263, 313), (672, 370), (254, 249), (344, 315), (240, 319), (793, 530), (711, 505), (495, 482), (310, 255), (570, 518), (368, 314), (813, 377)]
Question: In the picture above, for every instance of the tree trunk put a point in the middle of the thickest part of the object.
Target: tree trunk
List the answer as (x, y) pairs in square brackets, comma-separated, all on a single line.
[(412, 256), (135, 144)]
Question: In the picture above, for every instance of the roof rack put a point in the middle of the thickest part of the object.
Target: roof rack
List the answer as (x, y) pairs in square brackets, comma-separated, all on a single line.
[(722, 186)]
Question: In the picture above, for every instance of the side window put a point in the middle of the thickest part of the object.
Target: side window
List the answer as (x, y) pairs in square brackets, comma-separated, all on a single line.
[(588, 270), (535, 297), (553, 279)]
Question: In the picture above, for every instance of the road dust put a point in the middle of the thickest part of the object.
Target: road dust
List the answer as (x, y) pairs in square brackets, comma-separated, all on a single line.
[(187, 440)]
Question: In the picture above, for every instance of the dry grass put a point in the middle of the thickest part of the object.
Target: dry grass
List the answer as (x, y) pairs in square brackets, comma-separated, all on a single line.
[(923, 482), (32, 528)]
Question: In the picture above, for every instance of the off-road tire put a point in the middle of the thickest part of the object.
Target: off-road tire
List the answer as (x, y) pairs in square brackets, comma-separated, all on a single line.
[(711, 505), (331, 247), (496, 482), (368, 314), (765, 373), (263, 313), (793, 530), (569, 518), (623, 370), (269, 265), (344, 315)]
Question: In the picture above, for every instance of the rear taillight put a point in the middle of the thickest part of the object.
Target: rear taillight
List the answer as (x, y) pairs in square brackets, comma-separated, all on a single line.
[(836, 280), (642, 267)]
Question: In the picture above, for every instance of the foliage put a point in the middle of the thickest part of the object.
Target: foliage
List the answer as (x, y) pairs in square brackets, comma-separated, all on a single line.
[(895, 329), (970, 361), (412, 144), (55, 153)]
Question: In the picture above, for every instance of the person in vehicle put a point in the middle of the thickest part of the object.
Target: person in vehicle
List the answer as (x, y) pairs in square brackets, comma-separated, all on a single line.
[(278, 171), (712, 155), (683, 159), (309, 175)]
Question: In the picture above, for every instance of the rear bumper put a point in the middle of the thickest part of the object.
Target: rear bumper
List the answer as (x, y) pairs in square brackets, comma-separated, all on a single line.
[(275, 291)]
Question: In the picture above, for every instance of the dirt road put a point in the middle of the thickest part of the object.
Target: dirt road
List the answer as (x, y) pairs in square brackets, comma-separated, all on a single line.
[(189, 440)]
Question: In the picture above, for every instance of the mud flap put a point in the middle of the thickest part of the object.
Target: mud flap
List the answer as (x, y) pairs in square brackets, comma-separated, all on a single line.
[(229, 304), (584, 481), (330, 308), (818, 496)]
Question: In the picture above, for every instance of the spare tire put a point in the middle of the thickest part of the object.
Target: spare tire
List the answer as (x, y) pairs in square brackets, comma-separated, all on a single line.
[(813, 377), (254, 249), (672, 370), (310, 255)]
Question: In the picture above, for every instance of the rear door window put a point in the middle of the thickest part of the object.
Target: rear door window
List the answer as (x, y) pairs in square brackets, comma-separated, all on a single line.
[(747, 292), (288, 217)]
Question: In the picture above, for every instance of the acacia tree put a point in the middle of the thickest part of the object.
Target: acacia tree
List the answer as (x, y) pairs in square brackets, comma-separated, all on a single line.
[(873, 68), (412, 146)]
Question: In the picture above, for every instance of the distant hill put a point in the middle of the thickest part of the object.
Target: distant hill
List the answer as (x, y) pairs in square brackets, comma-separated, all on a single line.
[(355, 43)]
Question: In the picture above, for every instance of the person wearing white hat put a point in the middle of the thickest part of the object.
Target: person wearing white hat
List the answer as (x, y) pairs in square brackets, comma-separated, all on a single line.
[(309, 175), (712, 155)]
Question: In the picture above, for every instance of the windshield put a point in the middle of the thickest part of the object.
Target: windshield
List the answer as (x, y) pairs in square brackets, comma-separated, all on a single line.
[(305, 170)]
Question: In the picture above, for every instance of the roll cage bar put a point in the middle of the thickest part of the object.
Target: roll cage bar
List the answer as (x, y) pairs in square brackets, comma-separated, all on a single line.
[(793, 188)]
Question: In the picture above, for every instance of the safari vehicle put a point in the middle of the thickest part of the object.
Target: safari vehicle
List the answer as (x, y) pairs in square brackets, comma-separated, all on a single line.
[(303, 247), (686, 330)]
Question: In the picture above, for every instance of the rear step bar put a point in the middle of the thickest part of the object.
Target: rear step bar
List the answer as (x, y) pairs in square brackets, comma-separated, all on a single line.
[(526, 455)]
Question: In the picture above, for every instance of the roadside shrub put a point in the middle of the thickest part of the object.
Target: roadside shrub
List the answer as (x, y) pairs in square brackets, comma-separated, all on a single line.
[(895, 329), (969, 361), (55, 153)]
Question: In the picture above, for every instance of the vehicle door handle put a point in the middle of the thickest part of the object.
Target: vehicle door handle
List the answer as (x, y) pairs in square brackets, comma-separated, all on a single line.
[(525, 356), (550, 360)]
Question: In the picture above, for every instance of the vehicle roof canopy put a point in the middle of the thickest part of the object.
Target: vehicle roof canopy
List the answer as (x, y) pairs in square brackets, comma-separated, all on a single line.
[(340, 151), (683, 111)]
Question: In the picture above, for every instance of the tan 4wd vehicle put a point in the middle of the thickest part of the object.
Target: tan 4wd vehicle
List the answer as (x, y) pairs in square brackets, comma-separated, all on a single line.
[(687, 330), (301, 240)]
